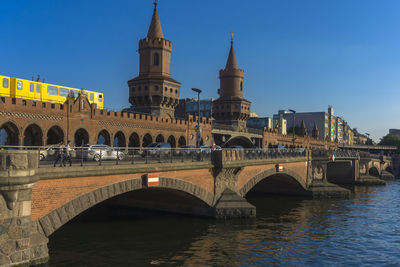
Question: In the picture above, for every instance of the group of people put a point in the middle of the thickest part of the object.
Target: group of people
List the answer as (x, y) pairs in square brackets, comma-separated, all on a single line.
[(63, 154)]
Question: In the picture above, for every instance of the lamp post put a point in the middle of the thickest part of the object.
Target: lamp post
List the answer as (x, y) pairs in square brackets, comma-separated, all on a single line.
[(294, 138), (367, 134), (198, 134)]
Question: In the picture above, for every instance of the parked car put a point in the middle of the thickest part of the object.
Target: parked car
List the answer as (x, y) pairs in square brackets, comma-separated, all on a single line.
[(157, 148), (103, 152)]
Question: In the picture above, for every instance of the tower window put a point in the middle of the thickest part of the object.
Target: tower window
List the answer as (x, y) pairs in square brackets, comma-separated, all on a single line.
[(133, 89), (156, 88), (140, 89), (170, 89), (176, 91), (146, 88), (156, 59), (241, 86), (166, 89)]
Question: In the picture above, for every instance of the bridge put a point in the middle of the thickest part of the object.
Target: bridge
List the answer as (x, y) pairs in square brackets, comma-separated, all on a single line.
[(38, 201)]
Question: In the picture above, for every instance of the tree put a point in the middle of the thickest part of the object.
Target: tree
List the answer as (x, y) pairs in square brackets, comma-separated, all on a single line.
[(391, 140)]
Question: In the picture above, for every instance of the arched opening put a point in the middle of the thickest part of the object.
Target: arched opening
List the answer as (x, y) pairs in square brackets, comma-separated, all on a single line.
[(81, 137), (119, 139), (181, 141), (9, 134), (373, 171), (279, 184), (156, 59), (160, 138), (55, 135), (171, 141), (134, 140), (33, 136), (239, 141), (147, 140), (103, 138)]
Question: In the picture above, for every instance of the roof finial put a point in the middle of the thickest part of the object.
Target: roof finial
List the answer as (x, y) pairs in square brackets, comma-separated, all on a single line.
[(231, 38), (155, 3)]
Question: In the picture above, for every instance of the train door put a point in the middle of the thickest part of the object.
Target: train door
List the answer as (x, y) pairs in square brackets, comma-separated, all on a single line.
[(38, 91), (32, 90)]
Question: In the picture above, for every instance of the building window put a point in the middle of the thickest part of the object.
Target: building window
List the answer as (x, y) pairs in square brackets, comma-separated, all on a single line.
[(241, 86), (133, 89), (140, 89), (146, 88), (156, 59), (156, 88), (5, 82), (166, 89), (170, 90), (176, 91)]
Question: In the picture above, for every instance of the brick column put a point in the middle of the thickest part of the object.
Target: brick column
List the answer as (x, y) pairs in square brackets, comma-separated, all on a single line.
[(17, 178)]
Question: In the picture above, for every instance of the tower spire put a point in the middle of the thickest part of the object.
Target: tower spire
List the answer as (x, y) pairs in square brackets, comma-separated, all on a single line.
[(231, 62), (155, 30)]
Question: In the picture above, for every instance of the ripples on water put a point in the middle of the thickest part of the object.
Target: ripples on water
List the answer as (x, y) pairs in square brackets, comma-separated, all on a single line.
[(288, 231)]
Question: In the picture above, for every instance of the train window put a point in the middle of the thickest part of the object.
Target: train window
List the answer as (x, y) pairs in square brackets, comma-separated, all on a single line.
[(64, 92), (74, 93), (32, 88), (37, 88), (5, 82), (19, 85), (52, 90), (91, 96), (100, 98)]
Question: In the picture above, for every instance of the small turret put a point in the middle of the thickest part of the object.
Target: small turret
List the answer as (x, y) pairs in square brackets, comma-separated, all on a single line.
[(315, 132)]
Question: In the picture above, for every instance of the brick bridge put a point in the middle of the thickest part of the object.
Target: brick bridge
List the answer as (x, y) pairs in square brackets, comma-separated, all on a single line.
[(38, 201)]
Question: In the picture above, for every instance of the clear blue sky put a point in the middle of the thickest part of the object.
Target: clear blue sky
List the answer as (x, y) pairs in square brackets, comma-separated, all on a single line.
[(302, 55)]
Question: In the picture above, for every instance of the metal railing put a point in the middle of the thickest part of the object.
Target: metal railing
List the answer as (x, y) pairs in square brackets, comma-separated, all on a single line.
[(272, 153)]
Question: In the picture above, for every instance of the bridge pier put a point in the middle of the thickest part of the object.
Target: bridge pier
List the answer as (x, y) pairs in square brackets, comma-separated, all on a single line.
[(18, 243)]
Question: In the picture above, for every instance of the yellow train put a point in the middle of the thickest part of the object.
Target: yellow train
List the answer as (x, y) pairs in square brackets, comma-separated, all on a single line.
[(37, 90)]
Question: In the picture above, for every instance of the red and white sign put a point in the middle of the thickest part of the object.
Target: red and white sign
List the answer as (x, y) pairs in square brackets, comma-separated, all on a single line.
[(279, 168), (152, 179)]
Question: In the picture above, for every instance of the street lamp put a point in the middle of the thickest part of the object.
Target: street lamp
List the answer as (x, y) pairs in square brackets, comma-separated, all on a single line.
[(198, 134), (294, 138)]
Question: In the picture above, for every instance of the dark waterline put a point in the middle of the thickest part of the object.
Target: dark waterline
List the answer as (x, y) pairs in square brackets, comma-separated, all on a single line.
[(288, 231)]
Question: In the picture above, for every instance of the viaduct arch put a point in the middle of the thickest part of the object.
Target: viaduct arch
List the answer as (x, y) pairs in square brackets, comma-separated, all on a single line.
[(59, 216), (271, 181)]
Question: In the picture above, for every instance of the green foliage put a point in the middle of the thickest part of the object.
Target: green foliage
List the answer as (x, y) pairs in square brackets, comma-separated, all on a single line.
[(391, 140)]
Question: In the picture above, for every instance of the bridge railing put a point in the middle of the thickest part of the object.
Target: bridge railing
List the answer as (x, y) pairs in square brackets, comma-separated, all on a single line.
[(259, 154), (54, 156)]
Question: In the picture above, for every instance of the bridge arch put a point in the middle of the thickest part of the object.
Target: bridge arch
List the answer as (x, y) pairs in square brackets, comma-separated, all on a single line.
[(33, 135), (181, 141), (81, 137), (373, 171), (271, 181), (9, 134), (160, 138), (55, 219), (55, 135), (147, 140), (172, 141), (239, 141), (134, 140), (104, 137), (119, 139)]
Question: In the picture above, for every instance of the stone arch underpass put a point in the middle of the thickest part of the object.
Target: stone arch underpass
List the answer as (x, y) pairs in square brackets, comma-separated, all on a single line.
[(286, 182), (51, 220)]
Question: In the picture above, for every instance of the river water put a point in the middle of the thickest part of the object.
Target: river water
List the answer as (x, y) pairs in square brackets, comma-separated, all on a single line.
[(288, 231)]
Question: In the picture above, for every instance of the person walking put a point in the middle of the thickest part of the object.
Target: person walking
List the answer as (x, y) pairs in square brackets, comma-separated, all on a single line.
[(67, 153), (59, 154)]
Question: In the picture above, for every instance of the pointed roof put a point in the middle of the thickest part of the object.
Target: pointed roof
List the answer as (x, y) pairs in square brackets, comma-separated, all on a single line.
[(231, 62), (315, 127), (155, 30)]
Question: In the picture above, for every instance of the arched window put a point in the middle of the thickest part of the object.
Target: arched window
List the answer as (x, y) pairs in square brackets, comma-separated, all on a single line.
[(241, 86), (156, 59)]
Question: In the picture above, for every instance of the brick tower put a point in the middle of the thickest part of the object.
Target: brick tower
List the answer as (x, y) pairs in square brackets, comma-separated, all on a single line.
[(154, 91), (231, 108)]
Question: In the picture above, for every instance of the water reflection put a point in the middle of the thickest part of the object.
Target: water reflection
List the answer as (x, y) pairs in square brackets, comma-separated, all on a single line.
[(287, 231)]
